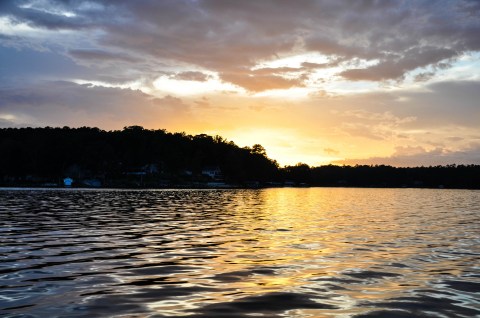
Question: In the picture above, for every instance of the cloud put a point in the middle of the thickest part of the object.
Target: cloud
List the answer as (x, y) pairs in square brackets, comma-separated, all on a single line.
[(436, 106), (55, 15), (191, 76), (444, 103), (66, 103), (312, 66), (173, 103), (99, 55), (6, 123), (203, 102), (225, 36), (395, 68), (330, 151), (371, 125), (27, 64), (422, 77), (415, 156), (258, 83)]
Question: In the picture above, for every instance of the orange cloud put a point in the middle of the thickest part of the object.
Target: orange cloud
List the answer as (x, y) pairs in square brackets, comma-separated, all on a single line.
[(258, 83)]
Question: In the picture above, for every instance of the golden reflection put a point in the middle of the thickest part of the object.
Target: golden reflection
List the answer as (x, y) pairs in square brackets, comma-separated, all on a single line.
[(299, 240), (295, 236)]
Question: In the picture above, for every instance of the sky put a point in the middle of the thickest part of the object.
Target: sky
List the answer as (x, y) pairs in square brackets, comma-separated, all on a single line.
[(317, 82)]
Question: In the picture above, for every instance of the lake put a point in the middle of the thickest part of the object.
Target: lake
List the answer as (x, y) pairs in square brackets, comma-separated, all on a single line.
[(284, 252)]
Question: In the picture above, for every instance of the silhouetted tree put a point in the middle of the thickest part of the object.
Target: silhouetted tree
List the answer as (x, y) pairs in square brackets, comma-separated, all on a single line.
[(36, 155)]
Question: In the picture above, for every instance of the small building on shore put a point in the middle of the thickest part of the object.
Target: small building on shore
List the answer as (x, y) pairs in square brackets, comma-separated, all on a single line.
[(213, 172), (67, 182)]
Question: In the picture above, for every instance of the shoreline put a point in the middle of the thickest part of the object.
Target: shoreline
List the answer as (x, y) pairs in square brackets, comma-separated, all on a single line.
[(232, 187)]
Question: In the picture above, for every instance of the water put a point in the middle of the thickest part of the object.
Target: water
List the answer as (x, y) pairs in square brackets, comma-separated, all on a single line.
[(320, 252)]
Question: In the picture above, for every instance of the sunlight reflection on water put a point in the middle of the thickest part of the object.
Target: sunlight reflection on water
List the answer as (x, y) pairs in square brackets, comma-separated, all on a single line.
[(310, 252)]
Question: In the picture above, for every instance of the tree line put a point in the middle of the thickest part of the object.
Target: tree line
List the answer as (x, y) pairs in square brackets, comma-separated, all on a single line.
[(135, 156)]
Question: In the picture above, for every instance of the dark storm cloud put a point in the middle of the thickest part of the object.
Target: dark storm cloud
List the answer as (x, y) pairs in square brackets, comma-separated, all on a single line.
[(226, 35)]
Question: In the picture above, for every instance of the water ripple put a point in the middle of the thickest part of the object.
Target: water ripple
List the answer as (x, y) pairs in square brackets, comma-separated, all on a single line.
[(237, 253)]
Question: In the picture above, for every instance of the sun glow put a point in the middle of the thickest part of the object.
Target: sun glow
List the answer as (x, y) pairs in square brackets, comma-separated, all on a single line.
[(286, 145)]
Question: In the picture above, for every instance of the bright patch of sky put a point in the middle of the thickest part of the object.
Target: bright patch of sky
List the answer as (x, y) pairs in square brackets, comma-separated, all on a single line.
[(7, 27), (295, 60), (165, 84), (44, 6), (133, 85)]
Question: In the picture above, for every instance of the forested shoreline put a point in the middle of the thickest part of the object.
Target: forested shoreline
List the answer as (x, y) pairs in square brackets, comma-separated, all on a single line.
[(137, 157)]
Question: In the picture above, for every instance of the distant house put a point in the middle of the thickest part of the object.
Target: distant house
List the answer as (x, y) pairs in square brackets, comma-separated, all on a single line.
[(136, 173), (67, 182), (151, 168), (147, 169), (187, 172), (213, 172), (93, 183)]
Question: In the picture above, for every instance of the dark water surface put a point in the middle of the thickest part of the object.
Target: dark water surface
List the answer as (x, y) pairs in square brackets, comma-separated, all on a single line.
[(320, 252)]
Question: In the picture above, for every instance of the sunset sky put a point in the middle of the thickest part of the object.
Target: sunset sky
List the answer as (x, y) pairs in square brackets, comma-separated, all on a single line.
[(343, 82)]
